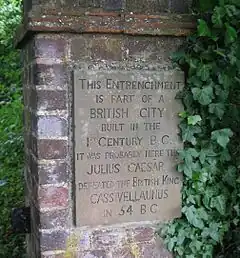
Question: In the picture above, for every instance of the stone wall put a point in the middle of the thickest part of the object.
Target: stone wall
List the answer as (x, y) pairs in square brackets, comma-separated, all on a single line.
[(49, 59), (136, 6)]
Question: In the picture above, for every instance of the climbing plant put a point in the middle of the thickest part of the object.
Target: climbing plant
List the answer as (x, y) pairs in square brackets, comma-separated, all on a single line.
[(209, 123)]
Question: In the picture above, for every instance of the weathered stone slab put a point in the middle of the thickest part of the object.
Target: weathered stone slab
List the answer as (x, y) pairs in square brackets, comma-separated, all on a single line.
[(126, 137)]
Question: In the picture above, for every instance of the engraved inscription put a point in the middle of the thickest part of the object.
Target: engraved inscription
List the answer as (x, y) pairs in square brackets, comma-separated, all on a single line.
[(126, 142)]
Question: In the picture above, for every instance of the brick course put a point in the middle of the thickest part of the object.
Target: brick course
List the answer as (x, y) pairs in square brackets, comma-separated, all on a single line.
[(48, 139), (48, 60)]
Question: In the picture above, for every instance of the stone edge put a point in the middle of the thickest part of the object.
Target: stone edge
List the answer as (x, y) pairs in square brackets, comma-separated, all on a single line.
[(105, 23)]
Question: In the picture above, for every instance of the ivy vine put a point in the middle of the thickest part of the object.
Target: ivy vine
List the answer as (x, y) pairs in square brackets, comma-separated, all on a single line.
[(209, 124)]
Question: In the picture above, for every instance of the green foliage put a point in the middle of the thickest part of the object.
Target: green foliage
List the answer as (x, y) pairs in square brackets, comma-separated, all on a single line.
[(11, 140), (10, 17), (11, 166), (210, 160)]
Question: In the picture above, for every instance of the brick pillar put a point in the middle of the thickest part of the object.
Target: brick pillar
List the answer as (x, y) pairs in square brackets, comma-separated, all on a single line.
[(91, 35)]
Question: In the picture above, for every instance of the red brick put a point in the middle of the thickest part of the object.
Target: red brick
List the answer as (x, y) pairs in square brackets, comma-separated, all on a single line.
[(105, 238), (79, 48), (149, 6), (55, 75), (106, 48), (113, 5), (144, 48), (93, 254), (143, 234), (154, 250), (55, 240), (179, 6), (52, 149), (53, 173), (51, 100), (51, 126), (54, 256), (52, 196), (123, 252), (57, 218), (49, 47), (92, 3)]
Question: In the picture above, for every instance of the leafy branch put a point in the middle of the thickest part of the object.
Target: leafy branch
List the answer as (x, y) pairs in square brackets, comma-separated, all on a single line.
[(210, 159)]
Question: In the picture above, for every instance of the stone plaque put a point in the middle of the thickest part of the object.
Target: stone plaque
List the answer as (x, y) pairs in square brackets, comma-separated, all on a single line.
[(126, 141)]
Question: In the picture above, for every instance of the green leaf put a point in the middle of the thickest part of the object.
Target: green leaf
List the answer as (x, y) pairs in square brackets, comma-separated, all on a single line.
[(235, 2), (206, 5), (217, 16), (178, 55), (192, 217), (171, 244), (230, 176), (188, 155), (204, 96), (195, 246), (219, 203), (203, 213), (231, 10), (222, 136), (193, 120), (204, 72), (212, 231), (231, 34), (185, 169), (190, 256), (217, 109), (183, 114), (188, 133), (225, 80), (203, 29)]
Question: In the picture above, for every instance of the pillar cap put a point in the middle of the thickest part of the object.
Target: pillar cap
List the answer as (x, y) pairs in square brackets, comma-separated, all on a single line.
[(64, 21)]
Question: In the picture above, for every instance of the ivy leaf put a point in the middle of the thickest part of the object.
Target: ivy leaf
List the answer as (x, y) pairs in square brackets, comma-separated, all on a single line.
[(203, 29), (171, 243), (183, 114), (204, 96), (219, 203), (192, 216), (193, 120), (235, 2), (222, 136), (188, 133), (212, 231), (195, 245), (190, 256), (203, 214), (204, 72), (187, 155), (185, 169), (225, 80), (231, 34), (224, 155), (222, 94), (218, 13), (205, 153), (230, 176), (178, 55), (230, 10), (206, 5), (217, 109)]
